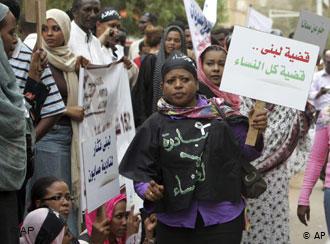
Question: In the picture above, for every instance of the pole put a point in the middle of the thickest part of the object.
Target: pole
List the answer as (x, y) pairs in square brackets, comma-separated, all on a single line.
[(319, 6)]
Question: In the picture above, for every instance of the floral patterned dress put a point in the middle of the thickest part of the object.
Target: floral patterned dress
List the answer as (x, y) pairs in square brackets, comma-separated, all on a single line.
[(286, 147)]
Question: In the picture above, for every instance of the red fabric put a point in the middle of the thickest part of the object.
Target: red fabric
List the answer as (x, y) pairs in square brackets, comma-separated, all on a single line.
[(137, 61)]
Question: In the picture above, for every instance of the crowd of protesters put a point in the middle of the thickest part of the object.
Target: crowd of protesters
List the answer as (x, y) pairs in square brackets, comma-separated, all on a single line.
[(186, 157)]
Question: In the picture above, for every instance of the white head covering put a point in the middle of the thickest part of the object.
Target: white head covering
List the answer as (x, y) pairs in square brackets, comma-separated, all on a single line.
[(62, 20), (32, 225), (3, 11), (64, 59), (61, 57)]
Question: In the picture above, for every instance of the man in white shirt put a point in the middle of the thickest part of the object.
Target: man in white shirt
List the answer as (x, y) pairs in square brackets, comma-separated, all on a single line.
[(319, 93), (107, 31), (82, 41)]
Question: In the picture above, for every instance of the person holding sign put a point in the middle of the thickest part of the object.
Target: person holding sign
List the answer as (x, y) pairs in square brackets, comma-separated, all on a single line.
[(186, 161), (272, 163), (285, 153), (82, 41), (211, 66), (111, 224), (58, 152)]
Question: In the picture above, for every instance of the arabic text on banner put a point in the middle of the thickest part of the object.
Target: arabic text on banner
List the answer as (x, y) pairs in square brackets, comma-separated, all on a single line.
[(278, 71), (312, 28), (105, 95), (200, 27)]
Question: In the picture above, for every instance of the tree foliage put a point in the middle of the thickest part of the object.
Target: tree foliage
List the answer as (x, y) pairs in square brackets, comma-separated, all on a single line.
[(166, 10)]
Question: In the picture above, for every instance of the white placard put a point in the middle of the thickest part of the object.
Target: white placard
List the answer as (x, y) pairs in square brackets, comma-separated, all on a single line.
[(200, 27), (210, 11), (258, 21), (104, 92), (312, 28), (100, 168), (269, 68)]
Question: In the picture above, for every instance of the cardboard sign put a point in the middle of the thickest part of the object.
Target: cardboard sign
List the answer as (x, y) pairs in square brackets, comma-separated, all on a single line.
[(312, 28), (258, 21), (278, 70), (200, 27), (35, 12)]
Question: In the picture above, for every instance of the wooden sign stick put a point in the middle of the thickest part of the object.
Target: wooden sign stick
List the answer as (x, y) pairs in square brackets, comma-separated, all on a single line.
[(35, 12), (39, 24), (252, 134)]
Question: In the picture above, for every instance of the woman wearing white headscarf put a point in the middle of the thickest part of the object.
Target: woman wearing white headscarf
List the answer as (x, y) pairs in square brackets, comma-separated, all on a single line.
[(57, 152), (42, 226)]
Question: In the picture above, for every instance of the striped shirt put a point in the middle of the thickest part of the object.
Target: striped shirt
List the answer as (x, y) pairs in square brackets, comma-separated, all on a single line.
[(20, 63)]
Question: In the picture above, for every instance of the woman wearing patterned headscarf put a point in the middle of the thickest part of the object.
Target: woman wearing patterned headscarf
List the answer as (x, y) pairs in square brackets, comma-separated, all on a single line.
[(147, 90), (185, 161)]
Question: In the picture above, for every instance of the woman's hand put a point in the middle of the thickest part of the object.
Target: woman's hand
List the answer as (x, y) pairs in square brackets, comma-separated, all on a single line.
[(75, 113), (81, 61), (133, 223), (104, 37), (38, 64), (127, 63), (154, 192), (303, 213), (150, 224), (258, 119), (68, 237), (322, 91), (100, 228)]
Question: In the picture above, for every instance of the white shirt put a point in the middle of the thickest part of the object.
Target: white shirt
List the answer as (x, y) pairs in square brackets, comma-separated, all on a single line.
[(320, 79), (31, 40), (85, 45), (133, 72), (20, 64), (134, 49), (109, 55)]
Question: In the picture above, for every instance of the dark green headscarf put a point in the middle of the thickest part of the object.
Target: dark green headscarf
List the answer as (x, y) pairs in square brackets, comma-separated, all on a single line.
[(12, 125)]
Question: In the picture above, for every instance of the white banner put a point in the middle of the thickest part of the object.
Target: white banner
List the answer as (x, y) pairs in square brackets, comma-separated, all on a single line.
[(104, 93), (100, 168), (279, 70), (200, 27), (313, 29), (210, 11), (258, 21)]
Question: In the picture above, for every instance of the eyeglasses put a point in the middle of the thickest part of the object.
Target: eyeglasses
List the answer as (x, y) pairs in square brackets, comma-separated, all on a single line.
[(59, 198)]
